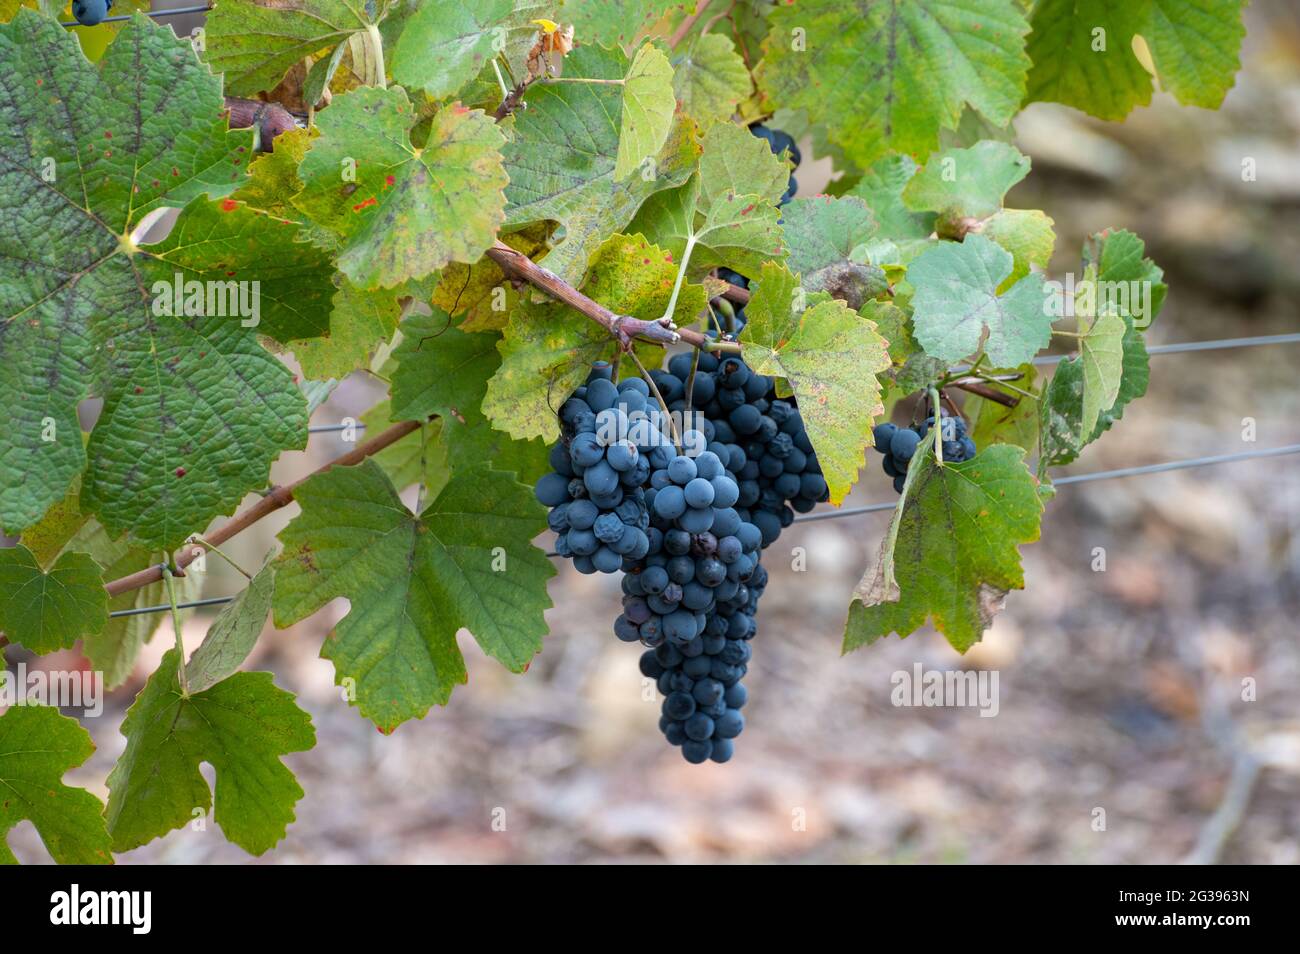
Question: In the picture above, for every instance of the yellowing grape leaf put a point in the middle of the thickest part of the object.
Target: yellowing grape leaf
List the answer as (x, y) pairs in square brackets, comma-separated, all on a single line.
[(407, 210), (953, 549), (414, 581), (710, 78), (831, 357), (255, 44), (648, 105)]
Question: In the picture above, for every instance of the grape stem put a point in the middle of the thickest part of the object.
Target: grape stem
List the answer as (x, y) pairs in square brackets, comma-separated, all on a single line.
[(685, 26)]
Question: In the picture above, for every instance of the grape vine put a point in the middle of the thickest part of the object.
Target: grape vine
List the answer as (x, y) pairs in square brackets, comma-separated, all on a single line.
[(568, 238)]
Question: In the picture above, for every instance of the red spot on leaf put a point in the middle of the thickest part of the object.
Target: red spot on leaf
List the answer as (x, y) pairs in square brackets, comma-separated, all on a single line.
[(365, 205), (747, 209), (230, 274), (139, 390), (229, 205), (389, 180), (175, 171), (180, 471), (107, 134)]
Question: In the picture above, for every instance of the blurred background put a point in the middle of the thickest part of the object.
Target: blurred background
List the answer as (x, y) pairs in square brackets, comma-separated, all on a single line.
[(1119, 690)]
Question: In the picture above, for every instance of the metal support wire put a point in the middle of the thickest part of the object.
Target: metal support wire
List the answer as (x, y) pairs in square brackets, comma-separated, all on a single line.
[(120, 18)]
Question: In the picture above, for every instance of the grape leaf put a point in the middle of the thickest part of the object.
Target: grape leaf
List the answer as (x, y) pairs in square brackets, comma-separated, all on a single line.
[(359, 320), (466, 561), (480, 291), (255, 45), (723, 226), (881, 188), (648, 106), (242, 727), (966, 182), (955, 300), (444, 45), (1126, 280), (444, 371), (233, 633), (613, 21), (882, 75), (709, 78), (547, 349), (49, 611), (831, 356), (561, 161), (955, 555), (75, 316), (820, 234), (1082, 52), (37, 746), (410, 210), (1101, 350), (1027, 234), (736, 162)]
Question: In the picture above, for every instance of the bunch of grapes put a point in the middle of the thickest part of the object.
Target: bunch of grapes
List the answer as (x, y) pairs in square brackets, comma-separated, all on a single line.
[(899, 444), (91, 12), (622, 496)]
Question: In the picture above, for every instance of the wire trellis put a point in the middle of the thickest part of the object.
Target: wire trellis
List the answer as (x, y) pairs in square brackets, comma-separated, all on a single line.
[(122, 17), (875, 508)]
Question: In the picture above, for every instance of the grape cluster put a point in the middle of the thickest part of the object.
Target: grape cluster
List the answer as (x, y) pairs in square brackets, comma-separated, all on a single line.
[(899, 444), (624, 497), (760, 438), (91, 12)]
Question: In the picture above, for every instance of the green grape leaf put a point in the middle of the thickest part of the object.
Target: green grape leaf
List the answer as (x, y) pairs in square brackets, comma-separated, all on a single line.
[(547, 349), (233, 634), (242, 727), (993, 423), (1082, 52), (881, 188), (359, 320), (410, 210), (444, 371), (256, 45), (1101, 349), (562, 157), (1027, 234), (709, 78), (884, 76), (81, 167), (955, 300), (831, 356), (648, 106), (444, 45), (37, 746), (953, 549), (49, 611), (821, 234), (1061, 434), (959, 183), (613, 21), (466, 561), (1127, 281)]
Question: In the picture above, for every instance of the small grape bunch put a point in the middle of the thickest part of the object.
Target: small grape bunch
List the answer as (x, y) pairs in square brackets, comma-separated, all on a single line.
[(899, 444)]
